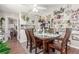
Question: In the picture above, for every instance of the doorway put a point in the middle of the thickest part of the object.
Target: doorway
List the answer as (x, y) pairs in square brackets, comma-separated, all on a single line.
[(12, 26)]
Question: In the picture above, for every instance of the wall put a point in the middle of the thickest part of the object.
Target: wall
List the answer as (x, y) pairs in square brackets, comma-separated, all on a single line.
[(7, 26), (22, 36), (21, 33)]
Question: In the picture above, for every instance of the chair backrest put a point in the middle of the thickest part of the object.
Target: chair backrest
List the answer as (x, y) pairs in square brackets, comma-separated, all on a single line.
[(66, 37), (27, 34), (32, 36)]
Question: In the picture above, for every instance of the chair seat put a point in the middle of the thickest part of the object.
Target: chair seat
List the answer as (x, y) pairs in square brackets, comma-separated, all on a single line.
[(62, 43), (58, 47), (39, 43)]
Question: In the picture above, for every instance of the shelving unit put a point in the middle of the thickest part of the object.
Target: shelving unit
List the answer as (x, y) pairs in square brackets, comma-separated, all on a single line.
[(2, 29), (75, 26)]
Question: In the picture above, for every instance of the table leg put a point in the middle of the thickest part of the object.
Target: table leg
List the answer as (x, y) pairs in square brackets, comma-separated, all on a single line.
[(53, 49), (44, 47)]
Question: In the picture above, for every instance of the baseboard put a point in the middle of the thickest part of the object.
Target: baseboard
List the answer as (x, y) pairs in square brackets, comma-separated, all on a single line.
[(74, 46), (21, 41)]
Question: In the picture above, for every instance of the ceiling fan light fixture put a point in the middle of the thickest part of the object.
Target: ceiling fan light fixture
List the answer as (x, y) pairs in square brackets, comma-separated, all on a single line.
[(35, 10)]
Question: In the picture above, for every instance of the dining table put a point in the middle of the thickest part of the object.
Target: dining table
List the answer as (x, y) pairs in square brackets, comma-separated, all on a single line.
[(46, 37)]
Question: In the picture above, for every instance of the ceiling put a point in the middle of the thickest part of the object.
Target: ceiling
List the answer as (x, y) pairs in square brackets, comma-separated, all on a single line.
[(16, 8), (27, 8)]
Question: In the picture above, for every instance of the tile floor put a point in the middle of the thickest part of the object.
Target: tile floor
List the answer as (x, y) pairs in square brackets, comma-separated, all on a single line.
[(16, 47), (20, 48)]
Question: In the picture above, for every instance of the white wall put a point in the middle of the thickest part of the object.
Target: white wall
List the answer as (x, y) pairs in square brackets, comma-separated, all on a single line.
[(75, 43), (7, 26), (23, 37), (6, 29), (21, 33)]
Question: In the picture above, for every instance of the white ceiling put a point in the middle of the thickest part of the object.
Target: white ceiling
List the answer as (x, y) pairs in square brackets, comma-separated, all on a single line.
[(16, 8), (27, 8)]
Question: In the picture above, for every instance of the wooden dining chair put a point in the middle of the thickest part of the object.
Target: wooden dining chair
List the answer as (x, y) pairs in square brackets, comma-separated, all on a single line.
[(62, 44), (34, 42), (28, 37), (29, 40)]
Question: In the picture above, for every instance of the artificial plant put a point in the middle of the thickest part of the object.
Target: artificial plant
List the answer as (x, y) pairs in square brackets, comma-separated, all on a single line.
[(1, 20), (4, 49), (25, 18)]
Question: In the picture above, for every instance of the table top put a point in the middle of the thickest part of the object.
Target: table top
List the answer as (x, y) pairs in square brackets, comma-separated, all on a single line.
[(47, 35)]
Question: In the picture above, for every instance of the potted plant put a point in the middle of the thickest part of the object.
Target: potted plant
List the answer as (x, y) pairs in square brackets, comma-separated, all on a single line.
[(4, 49)]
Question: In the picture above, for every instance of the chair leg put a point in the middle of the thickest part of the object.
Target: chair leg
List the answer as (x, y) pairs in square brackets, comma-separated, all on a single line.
[(53, 49), (66, 50), (61, 52), (27, 45), (30, 47), (47, 49), (35, 50)]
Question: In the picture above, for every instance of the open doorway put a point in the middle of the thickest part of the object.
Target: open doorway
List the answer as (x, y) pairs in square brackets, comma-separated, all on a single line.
[(12, 26)]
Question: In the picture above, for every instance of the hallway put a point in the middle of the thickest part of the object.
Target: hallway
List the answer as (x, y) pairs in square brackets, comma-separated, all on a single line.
[(16, 47)]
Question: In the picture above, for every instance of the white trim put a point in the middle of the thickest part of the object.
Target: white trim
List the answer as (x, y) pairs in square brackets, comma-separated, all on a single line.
[(22, 41), (74, 46)]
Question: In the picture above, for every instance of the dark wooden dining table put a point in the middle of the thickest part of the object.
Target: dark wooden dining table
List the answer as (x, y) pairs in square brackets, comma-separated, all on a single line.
[(46, 37)]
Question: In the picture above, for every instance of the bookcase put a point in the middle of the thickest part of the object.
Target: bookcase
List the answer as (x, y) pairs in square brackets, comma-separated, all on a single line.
[(75, 25), (2, 28)]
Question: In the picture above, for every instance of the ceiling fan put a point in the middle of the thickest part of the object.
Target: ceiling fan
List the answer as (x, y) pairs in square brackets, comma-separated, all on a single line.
[(36, 8)]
